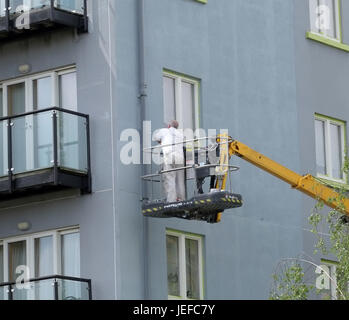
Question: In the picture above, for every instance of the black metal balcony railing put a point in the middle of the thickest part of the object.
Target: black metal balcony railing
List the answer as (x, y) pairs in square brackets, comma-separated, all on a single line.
[(48, 288), (21, 17), (44, 150)]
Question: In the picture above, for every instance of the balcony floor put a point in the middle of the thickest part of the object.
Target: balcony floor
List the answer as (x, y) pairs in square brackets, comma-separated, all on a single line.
[(42, 181)]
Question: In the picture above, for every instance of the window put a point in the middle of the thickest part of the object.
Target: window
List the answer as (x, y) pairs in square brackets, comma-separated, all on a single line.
[(326, 281), (40, 91), (184, 266), (46, 254), (330, 137), (181, 100), (37, 92), (1, 263), (325, 18)]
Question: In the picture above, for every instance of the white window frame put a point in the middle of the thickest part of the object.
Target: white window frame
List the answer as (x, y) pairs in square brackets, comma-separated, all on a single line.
[(182, 236), (28, 81), (29, 103), (337, 15), (178, 96), (328, 148), (30, 249)]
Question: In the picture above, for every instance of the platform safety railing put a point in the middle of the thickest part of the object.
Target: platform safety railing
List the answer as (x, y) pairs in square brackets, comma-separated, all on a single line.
[(204, 148)]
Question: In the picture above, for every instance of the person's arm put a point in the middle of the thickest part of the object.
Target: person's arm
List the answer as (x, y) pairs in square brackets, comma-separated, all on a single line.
[(157, 135)]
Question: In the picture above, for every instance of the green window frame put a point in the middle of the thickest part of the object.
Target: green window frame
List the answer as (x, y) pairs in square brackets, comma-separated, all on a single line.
[(324, 129), (321, 36), (185, 278), (326, 279)]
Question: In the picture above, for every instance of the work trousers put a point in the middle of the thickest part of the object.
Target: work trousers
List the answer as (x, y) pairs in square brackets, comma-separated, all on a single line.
[(173, 182)]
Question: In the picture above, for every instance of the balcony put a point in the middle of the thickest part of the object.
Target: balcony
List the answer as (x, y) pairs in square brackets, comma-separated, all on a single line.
[(21, 17), (44, 150), (48, 288)]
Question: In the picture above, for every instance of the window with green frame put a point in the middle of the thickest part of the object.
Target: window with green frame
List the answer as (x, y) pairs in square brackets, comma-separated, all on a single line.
[(325, 18), (325, 23), (330, 148), (181, 99), (326, 280), (184, 265)]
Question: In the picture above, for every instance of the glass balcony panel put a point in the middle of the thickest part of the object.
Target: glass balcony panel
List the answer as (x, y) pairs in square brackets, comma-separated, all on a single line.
[(20, 293), (45, 290), (37, 4), (26, 5), (3, 149), (4, 293), (18, 6), (72, 137), (2, 8), (72, 290), (75, 6), (35, 290), (32, 136)]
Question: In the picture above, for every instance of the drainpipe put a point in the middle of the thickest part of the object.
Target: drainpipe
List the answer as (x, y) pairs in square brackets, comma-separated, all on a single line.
[(142, 102)]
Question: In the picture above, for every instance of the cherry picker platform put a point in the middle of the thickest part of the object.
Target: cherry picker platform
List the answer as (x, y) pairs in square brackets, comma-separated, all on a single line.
[(203, 207), (204, 158)]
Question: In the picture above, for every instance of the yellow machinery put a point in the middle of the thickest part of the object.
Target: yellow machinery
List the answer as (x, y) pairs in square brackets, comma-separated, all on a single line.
[(209, 206), (306, 184)]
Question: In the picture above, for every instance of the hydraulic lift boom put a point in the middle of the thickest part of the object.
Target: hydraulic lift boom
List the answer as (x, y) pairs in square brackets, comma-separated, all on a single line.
[(209, 206), (306, 184)]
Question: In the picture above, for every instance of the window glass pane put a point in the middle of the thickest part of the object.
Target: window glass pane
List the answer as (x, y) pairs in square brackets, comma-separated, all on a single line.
[(16, 5), (324, 17), (169, 99), (2, 8), (320, 147), (1, 264), (172, 246), (3, 139), (43, 256), (16, 99), (39, 3), (72, 142), (71, 5), (68, 91), (17, 257), (70, 244), (188, 106), (336, 151), (42, 93), (328, 14), (314, 23), (192, 268), (1, 104)]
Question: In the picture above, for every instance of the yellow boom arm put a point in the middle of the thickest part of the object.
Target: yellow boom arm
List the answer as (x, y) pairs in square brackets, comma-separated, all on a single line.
[(306, 184)]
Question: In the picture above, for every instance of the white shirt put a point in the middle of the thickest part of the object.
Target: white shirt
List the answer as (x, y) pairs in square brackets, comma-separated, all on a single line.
[(167, 137)]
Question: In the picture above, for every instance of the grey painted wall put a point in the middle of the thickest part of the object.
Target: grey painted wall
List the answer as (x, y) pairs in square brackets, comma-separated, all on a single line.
[(259, 76), (243, 52), (95, 214)]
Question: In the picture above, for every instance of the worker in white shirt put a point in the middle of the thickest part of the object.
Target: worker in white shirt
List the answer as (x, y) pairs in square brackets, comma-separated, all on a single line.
[(172, 140)]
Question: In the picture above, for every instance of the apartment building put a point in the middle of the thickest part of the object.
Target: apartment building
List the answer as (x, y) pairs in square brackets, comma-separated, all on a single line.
[(75, 74)]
